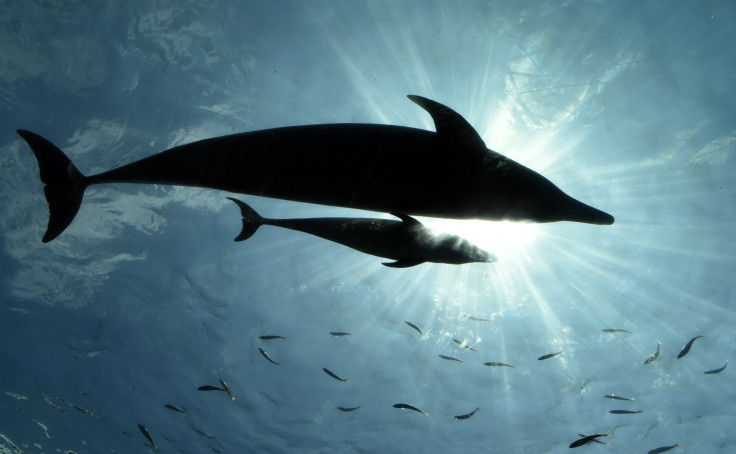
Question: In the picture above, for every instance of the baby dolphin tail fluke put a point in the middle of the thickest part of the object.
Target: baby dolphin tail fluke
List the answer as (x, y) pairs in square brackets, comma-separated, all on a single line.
[(447, 173), (406, 241)]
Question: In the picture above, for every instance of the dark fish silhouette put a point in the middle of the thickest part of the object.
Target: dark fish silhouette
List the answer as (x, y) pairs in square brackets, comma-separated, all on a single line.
[(615, 330), (407, 241), (586, 439), (175, 408), (265, 355), (468, 415), (548, 356), (495, 364), (595, 440), (339, 334), (223, 388), (415, 327), (271, 337), (654, 357), (347, 409), (662, 449), (615, 397), (450, 358), (410, 407), (716, 371), (686, 349), (449, 173), (476, 319), (332, 374), (625, 412), (464, 344), (147, 434)]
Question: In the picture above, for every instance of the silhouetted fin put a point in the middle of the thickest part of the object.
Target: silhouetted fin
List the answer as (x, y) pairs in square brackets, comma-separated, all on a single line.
[(251, 220), (64, 183), (403, 263), (452, 128), (408, 220)]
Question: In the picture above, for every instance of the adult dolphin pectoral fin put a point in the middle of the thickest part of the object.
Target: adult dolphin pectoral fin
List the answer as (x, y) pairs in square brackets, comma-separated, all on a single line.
[(452, 127), (403, 263), (408, 220), (64, 183), (251, 220)]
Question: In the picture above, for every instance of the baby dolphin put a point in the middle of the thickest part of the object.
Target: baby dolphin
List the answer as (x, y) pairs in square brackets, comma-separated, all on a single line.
[(446, 173), (407, 241), (686, 349), (410, 407)]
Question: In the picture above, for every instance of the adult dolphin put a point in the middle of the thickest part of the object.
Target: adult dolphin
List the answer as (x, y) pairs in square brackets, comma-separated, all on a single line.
[(447, 174), (407, 241)]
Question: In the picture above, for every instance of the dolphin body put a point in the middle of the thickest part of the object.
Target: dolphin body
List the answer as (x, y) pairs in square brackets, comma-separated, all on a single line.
[(449, 173), (407, 241)]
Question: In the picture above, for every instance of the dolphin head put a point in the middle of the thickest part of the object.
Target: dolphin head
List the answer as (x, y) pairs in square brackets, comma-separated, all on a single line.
[(518, 193), (455, 250)]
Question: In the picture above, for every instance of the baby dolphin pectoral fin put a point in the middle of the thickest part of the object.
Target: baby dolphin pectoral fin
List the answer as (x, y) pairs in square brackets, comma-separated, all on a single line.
[(251, 220), (64, 183), (403, 263)]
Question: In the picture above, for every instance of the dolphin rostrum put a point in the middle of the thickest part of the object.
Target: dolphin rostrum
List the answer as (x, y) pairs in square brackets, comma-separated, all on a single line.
[(449, 173), (407, 241)]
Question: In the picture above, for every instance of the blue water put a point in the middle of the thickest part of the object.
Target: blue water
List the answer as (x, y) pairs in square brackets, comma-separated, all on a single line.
[(627, 106)]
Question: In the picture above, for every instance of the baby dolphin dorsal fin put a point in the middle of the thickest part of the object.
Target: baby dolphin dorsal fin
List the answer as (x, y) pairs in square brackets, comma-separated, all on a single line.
[(408, 220), (452, 127)]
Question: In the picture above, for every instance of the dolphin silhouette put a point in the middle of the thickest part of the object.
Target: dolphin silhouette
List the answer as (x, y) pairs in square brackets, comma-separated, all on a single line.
[(446, 174), (407, 241)]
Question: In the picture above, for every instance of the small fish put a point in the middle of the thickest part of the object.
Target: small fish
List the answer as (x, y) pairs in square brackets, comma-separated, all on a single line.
[(223, 388), (175, 408), (686, 349), (415, 327), (548, 356), (615, 330), (476, 319), (468, 415), (615, 397), (147, 434), (265, 338), (652, 358), (662, 449), (716, 371), (450, 358), (586, 439), (339, 333), (494, 364), (464, 345), (625, 412), (410, 407), (347, 409), (265, 355), (593, 440), (332, 374)]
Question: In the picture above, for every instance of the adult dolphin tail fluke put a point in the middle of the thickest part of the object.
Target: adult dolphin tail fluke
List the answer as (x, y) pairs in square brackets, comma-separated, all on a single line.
[(251, 220), (65, 185)]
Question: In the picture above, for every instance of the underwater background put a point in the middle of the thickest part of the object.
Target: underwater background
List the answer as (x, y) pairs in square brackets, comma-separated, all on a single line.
[(627, 106)]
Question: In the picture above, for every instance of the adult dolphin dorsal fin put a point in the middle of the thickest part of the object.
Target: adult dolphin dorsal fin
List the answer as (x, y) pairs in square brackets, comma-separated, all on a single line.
[(408, 220), (452, 127)]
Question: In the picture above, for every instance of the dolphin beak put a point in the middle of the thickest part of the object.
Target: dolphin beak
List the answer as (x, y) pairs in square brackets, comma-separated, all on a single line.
[(574, 210)]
